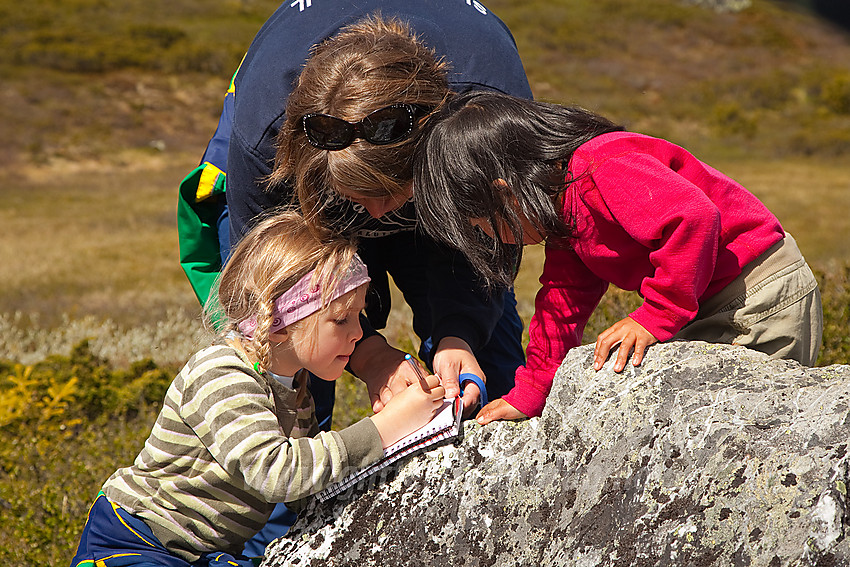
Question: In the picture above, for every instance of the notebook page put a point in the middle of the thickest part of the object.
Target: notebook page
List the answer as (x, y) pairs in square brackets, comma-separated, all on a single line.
[(444, 419)]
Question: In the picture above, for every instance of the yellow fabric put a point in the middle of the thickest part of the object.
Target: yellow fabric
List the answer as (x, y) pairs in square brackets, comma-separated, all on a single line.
[(206, 184), (102, 562), (115, 508)]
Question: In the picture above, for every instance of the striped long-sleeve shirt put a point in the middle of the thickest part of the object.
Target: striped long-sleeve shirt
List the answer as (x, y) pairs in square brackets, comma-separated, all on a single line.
[(227, 445)]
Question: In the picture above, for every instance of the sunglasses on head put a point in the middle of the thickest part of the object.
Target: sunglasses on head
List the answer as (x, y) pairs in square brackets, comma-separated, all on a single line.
[(383, 126)]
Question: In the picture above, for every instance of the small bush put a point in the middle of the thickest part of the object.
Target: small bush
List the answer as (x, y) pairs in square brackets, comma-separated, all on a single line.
[(156, 35), (192, 57), (68, 421), (730, 119), (835, 93), (820, 138), (65, 425), (835, 290)]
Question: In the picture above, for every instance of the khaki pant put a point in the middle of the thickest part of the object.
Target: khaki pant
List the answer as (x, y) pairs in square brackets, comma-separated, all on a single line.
[(774, 307)]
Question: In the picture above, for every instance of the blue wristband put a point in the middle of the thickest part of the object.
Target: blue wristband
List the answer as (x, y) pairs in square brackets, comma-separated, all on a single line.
[(469, 377)]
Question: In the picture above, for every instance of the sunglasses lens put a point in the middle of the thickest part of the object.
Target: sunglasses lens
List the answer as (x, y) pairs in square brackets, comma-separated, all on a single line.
[(328, 132), (387, 125)]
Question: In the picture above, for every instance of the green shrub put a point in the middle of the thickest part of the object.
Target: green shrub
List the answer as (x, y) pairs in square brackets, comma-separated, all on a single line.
[(67, 422), (65, 425), (821, 138), (352, 402), (161, 36), (835, 93), (835, 290), (730, 119), (93, 36), (193, 57)]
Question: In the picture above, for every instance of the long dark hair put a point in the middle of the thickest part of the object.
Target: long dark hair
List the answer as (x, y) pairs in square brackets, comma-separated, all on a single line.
[(479, 137)]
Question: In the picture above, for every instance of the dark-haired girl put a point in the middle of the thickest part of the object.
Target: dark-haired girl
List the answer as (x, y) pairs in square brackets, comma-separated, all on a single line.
[(709, 259)]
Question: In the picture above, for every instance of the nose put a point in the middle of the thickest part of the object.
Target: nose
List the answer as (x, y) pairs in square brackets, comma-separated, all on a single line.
[(358, 332), (379, 206)]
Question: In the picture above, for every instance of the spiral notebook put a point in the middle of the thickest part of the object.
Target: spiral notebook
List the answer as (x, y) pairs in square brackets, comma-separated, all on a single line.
[(444, 426)]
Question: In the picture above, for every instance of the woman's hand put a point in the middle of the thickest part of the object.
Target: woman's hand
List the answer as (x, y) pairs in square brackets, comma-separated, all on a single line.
[(453, 358), (383, 369), (409, 409), (496, 410), (629, 334)]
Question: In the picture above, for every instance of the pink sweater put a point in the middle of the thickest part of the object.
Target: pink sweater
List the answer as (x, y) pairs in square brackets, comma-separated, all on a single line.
[(650, 217)]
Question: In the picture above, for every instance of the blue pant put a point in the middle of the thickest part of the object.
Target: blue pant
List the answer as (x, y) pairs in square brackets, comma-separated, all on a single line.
[(112, 537), (400, 255)]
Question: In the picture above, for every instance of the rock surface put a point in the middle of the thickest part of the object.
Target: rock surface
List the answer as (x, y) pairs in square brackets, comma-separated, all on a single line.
[(704, 455)]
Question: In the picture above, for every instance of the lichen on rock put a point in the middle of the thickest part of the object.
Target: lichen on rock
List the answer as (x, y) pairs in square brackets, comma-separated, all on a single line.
[(703, 455)]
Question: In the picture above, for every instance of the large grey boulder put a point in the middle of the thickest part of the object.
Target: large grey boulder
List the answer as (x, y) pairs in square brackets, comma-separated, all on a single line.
[(704, 455)]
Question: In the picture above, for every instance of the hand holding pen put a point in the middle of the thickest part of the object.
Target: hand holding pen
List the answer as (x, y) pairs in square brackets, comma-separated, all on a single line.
[(463, 378), (410, 408), (422, 380)]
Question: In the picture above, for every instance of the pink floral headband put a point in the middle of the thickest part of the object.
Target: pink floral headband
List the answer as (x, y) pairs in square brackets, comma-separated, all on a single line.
[(305, 298)]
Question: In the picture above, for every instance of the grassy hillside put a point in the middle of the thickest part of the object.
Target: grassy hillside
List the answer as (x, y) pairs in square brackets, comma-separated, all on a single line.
[(105, 110), (105, 106), (84, 78)]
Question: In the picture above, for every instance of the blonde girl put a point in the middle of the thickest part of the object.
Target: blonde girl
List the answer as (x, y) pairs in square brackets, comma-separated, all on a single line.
[(238, 433)]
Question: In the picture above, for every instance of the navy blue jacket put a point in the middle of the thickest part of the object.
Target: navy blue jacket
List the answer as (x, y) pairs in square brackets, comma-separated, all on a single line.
[(482, 55)]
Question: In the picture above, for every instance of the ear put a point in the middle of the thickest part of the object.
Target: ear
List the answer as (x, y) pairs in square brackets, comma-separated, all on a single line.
[(502, 185), (280, 336)]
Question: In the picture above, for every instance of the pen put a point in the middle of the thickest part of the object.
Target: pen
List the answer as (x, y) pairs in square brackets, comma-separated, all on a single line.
[(416, 369)]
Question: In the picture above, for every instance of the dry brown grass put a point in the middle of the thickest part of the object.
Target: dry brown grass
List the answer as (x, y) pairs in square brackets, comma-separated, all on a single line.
[(811, 197), (88, 211), (87, 223), (94, 239)]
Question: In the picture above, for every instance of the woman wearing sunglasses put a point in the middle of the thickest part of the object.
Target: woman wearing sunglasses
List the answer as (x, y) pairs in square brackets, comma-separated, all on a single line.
[(324, 112), (342, 146)]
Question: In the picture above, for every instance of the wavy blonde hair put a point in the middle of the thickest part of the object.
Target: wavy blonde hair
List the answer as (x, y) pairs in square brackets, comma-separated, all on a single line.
[(268, 261), (368, 65)]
